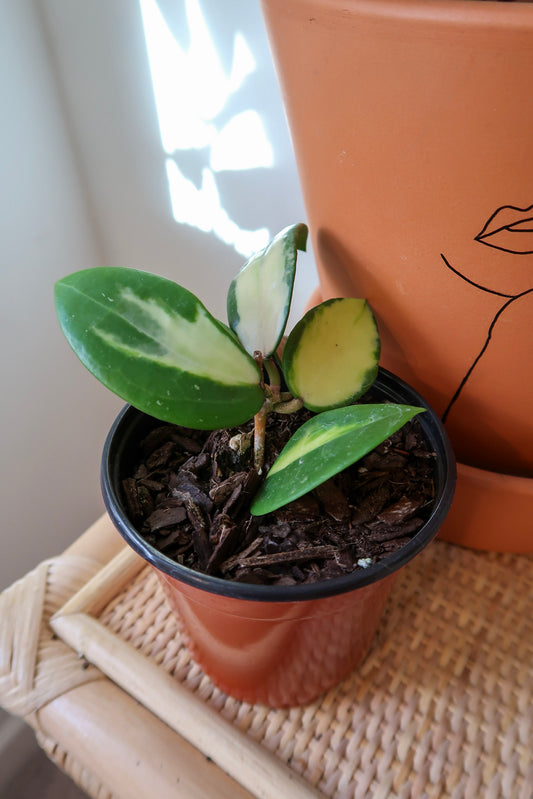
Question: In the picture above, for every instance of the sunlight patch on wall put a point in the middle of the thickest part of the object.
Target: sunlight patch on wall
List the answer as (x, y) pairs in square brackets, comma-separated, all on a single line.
[(204, 207), (191, 89)]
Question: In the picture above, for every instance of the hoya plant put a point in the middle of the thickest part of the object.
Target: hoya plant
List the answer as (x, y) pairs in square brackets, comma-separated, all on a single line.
[(155, 345)]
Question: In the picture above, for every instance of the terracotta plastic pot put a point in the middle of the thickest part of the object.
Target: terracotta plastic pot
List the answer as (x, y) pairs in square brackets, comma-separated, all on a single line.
[(277, 645), (412, 125)]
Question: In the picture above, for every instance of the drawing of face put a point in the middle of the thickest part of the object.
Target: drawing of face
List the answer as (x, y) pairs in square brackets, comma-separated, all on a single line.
[(507, 233), (509, 229)]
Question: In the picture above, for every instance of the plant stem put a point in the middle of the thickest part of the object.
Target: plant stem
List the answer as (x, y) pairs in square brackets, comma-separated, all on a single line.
[(273, 377), (259, 436), (291, 406), (274, 401), (258, 358)]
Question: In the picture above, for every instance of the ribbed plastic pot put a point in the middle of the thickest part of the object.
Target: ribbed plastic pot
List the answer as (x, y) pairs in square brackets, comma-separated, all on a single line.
[(277, 645), (412, 128)]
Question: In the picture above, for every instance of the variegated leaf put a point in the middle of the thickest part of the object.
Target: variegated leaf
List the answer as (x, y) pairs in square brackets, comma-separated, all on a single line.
[(154, 344), (324, 446), (331, 356), (260, 295)]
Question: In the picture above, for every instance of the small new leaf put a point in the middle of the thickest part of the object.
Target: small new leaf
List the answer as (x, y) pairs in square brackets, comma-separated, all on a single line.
[(324, 446), (154, 344), (260, 295), (331, 356)]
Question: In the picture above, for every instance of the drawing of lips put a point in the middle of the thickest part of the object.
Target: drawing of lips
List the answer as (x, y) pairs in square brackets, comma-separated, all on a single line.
[(509, 229)]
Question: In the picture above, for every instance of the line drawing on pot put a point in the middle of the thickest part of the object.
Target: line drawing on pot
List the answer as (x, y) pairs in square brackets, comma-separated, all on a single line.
[(509, 229)]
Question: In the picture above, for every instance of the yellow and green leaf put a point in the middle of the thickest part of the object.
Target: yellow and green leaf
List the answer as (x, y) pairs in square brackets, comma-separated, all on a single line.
[(324, 446), (331, 356), (154, 344), (259, 297)]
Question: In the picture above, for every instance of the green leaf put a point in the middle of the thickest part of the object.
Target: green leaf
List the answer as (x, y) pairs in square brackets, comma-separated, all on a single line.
[(154, 344), (260, 295), (324, 446), (331, 356)]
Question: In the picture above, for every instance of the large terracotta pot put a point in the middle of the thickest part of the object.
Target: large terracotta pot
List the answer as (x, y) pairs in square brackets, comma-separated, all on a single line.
[(277, 645), (412, 123)]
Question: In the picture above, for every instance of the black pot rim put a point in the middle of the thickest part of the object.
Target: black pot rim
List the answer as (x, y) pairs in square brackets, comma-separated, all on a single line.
[(394, 389)]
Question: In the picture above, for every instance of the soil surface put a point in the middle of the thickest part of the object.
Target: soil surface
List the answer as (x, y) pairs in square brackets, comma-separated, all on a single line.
[(189, 494)]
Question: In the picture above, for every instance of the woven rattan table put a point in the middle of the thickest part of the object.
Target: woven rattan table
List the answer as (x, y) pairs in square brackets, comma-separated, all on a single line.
[(442, 707)]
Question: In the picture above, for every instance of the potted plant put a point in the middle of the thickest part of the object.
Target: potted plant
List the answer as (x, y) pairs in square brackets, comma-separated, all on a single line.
[(276, 594), (411, 133)]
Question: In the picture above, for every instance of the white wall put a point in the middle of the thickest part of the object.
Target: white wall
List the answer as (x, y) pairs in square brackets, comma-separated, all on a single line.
[(83, 183), (51, 413)]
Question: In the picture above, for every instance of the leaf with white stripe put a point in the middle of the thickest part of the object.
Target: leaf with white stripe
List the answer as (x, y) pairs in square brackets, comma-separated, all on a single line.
[(260, 295), (154, 344), (324, 446)]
